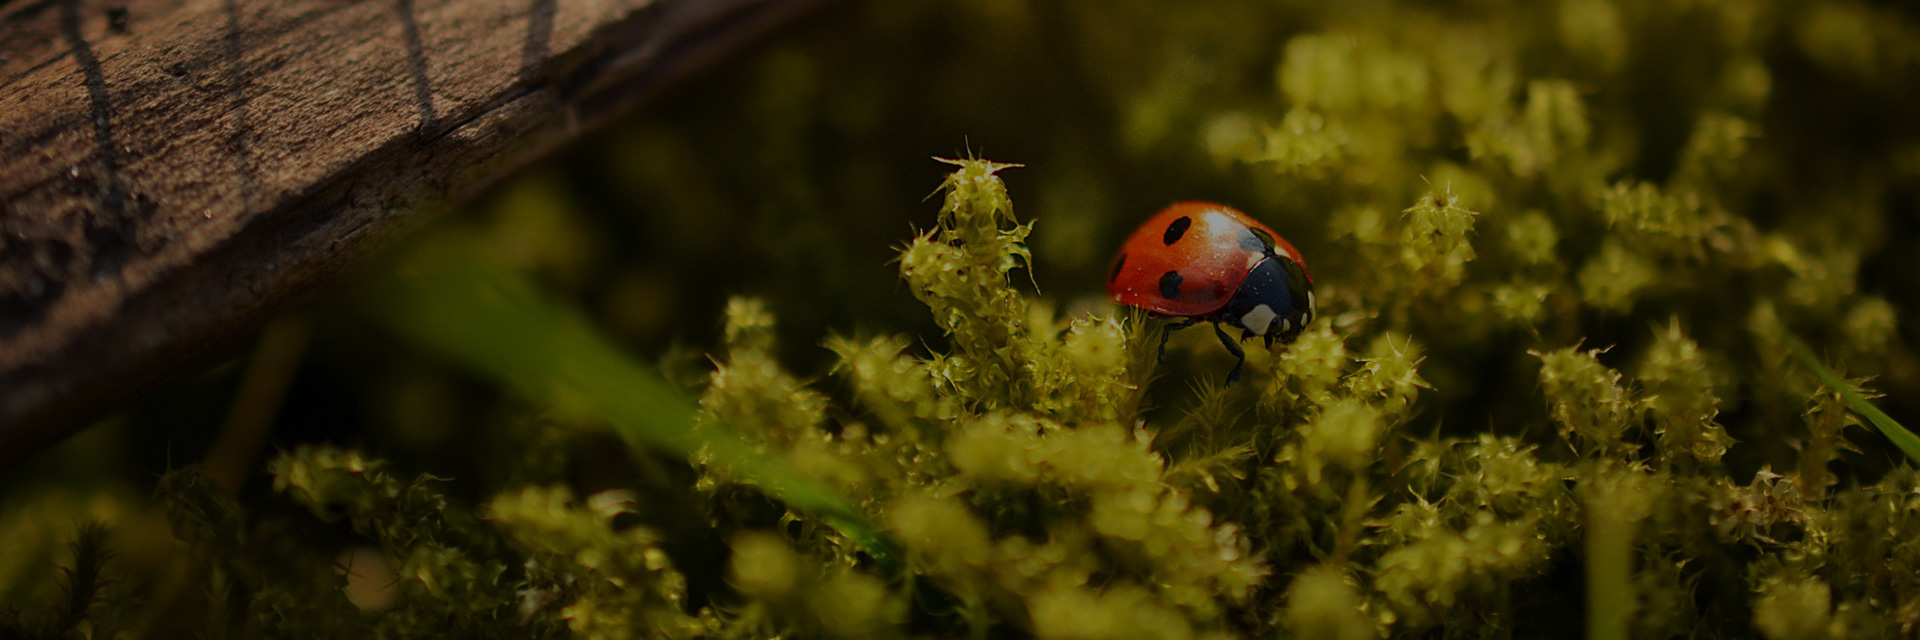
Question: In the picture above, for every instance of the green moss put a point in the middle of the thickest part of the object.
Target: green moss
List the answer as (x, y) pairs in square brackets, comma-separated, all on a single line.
[(1562, 253), (1586, 399)]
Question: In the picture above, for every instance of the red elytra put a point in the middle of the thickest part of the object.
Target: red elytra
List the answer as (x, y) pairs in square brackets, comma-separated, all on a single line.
[(1210, 255)]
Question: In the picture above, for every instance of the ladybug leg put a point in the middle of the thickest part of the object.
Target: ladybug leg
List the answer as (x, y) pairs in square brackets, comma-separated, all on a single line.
[(1168, 333), (1240, 357)]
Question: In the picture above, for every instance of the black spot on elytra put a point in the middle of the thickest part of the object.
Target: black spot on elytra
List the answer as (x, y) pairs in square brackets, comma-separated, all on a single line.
[(1177, 229), (1117, 263), (1170, 284)]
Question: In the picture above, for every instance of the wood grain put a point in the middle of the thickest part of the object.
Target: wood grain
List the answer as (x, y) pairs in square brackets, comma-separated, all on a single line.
[(172, 172)]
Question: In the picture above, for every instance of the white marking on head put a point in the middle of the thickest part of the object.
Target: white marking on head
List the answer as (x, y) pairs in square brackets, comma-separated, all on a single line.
[(1253, 259), (1284, 253), (1310, 307), (1286, 324), (1258, 320)]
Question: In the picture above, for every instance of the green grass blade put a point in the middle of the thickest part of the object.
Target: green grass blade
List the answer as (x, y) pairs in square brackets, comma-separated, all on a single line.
[(499, 323), (1900, 436)]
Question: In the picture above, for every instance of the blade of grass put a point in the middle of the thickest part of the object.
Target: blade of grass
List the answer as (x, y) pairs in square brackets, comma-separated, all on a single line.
[(451, 297), (1900, 436)]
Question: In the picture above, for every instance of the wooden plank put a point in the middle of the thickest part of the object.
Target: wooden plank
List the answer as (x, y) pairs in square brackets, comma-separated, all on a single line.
[(174, 171)]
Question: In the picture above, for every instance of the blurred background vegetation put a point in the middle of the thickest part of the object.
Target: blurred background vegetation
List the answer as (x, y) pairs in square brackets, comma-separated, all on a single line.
[(1489, 183)]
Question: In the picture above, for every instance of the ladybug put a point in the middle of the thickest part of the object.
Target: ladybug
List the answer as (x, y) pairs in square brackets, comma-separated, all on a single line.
[(1206, 262)]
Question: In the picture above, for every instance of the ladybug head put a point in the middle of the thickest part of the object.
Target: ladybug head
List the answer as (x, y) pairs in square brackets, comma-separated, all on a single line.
[(1274, 301)]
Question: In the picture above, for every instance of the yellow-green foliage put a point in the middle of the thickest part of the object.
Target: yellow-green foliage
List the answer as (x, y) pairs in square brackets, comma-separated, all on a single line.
[(623, 584), (1560, 250), (1585, 398)]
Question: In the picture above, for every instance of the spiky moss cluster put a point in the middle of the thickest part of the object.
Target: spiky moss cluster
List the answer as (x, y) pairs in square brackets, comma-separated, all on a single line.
[(613, 583), (532, 562), (1559, 249), (85, 598)]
